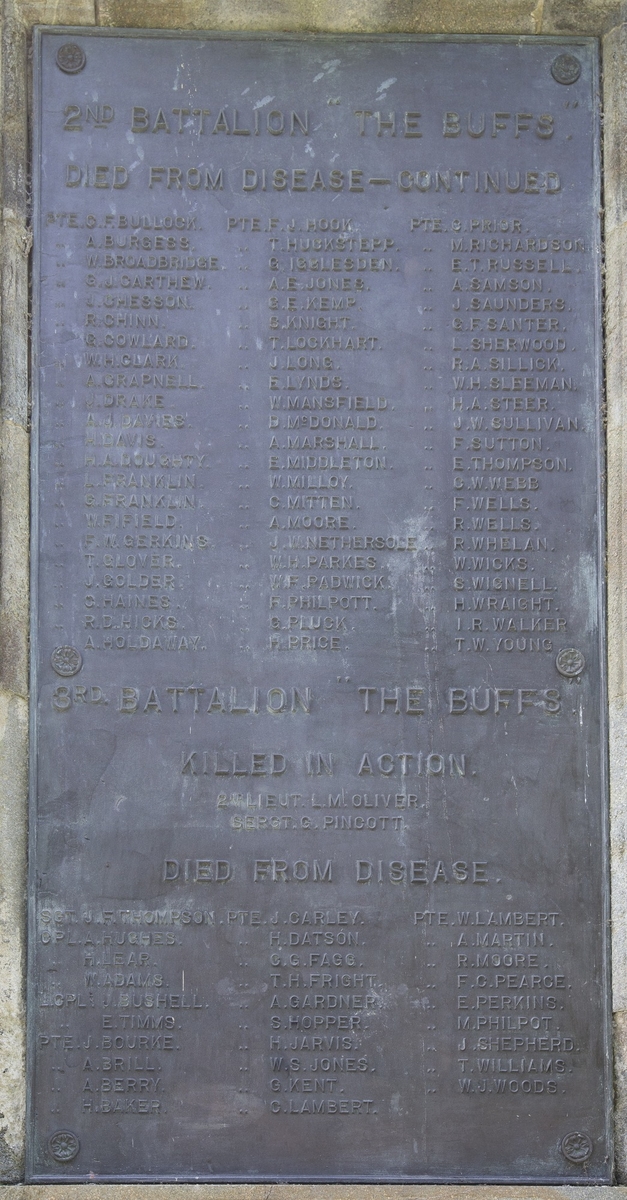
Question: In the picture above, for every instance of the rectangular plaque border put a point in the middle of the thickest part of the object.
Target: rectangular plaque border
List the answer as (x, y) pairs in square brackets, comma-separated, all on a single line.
[(32, 1178)]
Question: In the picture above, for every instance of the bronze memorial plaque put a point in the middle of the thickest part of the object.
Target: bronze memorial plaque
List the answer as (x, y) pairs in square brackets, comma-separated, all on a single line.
[(318, 804)]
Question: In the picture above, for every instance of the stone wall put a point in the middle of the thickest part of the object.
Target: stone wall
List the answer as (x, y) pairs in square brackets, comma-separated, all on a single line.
[(606, 19)]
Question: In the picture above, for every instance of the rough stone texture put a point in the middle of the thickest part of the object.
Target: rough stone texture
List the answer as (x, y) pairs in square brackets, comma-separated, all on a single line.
[(348, 16), (14, 504), (13, 783), (615, 153), (615, 147), (573, 17), (58, 12), (14, 453), (15, 245), (620, 1092), (351, 16), (282, 1191), (555, 17), (615, 133)]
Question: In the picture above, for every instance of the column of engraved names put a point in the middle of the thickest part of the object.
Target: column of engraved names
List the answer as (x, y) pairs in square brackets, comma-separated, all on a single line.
[(323, 993), (244, 585), (109, 1008), (327, 433), (515, 1028), (514, 373), (142, 477), (426, 234), (115, 1017)]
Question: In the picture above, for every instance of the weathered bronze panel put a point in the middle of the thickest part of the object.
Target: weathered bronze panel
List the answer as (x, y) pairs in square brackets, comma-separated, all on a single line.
[(318, 749)]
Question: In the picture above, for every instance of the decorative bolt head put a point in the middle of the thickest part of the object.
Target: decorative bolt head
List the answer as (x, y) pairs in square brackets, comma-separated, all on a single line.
[(570, 662), (64, 1145), (66, 661), (566, 68), (576, 1147), (70, 58)]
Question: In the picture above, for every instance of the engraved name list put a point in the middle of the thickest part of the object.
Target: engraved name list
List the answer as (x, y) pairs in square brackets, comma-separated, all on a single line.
[(318, 776)]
